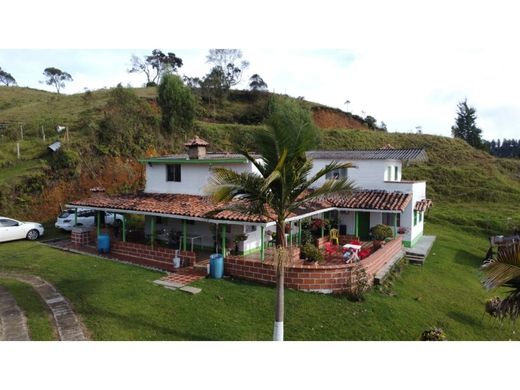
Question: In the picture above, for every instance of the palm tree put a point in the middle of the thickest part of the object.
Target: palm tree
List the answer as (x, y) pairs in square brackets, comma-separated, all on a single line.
[(504, 271), (283, 184)]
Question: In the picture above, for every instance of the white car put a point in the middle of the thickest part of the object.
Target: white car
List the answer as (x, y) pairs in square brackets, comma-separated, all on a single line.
[(86, 218), (11, 229)]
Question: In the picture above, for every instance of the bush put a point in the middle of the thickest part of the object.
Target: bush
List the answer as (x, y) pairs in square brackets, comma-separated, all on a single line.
[(359, 283), (64, 158), (433, 334), (307, 237), (381, 232), (311, 253), (130, 125)]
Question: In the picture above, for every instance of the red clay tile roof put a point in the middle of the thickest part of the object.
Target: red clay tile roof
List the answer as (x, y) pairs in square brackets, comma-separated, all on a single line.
[(176, 204), (200, 206), (423, 205), (372, 200)]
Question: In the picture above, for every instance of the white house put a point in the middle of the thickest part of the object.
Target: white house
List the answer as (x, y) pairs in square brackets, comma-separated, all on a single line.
[(174, 198)]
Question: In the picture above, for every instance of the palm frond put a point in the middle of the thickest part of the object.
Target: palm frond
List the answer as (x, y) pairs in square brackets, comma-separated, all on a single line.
[(505, 269), (225, 185)]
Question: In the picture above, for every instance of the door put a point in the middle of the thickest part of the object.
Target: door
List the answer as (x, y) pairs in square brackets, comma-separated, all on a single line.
[(363, 225), (11, 230)]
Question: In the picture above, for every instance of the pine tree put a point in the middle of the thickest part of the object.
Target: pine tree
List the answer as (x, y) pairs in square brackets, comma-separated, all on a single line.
[(465, 125)]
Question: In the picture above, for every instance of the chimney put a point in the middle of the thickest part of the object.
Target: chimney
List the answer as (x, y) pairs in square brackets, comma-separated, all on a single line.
[(196, 148)]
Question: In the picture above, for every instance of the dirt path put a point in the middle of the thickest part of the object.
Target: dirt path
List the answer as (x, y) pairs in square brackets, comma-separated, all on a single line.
[(67, 323), (13, 324)]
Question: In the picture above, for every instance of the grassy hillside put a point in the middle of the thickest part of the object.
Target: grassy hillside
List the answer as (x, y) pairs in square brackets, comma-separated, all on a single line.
[(470, 187)]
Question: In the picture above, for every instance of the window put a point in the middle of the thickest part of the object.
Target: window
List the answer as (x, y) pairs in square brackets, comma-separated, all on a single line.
[(420, 216), (388, 175), (173, 172), (8, 223), (415, 217), (396, 173), (336, 174)]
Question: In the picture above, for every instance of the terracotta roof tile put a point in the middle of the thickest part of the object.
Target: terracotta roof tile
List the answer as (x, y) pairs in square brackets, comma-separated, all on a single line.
[(373, 200), (423, 205), (200, 206)]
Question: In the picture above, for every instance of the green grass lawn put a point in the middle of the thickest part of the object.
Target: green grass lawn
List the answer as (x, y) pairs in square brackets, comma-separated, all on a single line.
[(39, 319), (119, 302)]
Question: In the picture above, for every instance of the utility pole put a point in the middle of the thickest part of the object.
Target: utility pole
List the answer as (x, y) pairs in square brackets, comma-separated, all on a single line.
[(18, 150), (43, 133), (21, 132)]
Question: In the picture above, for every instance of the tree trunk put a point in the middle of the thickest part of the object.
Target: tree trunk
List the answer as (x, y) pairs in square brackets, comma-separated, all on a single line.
[(281, 243)]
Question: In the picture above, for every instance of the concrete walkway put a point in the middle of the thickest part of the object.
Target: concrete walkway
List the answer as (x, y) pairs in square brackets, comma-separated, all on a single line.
[(67, 323), (420, 250), (13, 324)]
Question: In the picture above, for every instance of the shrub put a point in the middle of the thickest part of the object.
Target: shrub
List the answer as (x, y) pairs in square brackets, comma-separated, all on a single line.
[(433, 334), (64, 158), (381, 232), (129, 126), (359, 283), (311, 253), (307, 237)]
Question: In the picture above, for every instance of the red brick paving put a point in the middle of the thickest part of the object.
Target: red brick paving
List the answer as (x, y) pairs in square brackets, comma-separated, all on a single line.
[(185, 275)]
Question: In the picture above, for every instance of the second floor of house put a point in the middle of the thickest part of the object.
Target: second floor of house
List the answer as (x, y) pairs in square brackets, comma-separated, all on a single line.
[(191, 173)]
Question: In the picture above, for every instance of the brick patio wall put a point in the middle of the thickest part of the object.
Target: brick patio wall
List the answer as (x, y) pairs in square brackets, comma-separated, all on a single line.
[(136, 253), (144, 254), (319, 278)]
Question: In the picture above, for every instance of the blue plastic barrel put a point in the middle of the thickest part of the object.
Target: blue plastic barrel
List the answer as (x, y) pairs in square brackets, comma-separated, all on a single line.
[(103, 243), (216, 266)]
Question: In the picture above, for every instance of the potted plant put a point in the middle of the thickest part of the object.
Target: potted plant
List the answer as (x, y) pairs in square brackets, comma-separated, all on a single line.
[(310, 253), (433, 334), (379, 234)]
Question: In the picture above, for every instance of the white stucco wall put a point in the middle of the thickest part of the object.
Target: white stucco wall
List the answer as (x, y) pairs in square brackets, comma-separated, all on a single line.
[(194, 177), (369, 174)]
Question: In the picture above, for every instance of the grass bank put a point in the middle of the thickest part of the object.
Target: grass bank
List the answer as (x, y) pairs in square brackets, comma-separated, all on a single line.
[(120, 302)]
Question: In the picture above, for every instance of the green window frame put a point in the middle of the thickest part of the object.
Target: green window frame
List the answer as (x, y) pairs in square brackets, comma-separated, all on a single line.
[(414, 218)]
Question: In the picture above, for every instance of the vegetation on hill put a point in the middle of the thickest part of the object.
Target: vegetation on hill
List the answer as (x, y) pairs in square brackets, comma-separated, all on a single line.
[(474, 188)]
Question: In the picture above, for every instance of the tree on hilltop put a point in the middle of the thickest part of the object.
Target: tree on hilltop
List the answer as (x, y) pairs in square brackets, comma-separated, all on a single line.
[(256, 83), (465, 125), (56, 77), (6, 78), (155, 65), (228, 64), (177, 104)]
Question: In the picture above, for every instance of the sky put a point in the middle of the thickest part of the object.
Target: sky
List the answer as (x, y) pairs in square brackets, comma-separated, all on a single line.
[(406, 62), (408, 70)]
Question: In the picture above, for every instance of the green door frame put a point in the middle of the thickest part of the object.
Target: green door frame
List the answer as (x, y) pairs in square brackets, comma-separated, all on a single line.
[(362, 219), (124, 227), (262, 248), (152, 228), (223, 236)]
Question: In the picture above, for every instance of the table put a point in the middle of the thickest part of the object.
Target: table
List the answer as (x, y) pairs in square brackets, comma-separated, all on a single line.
[(352, 246)]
